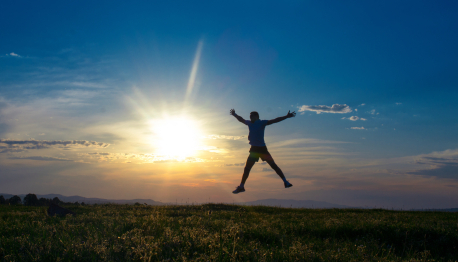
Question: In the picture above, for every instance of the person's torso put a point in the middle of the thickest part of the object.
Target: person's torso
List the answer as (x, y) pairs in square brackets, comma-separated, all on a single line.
[(256, 135)]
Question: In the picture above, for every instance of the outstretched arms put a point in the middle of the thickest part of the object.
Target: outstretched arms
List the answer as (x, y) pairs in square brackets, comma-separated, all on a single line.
[(232, 112), (278, 119)]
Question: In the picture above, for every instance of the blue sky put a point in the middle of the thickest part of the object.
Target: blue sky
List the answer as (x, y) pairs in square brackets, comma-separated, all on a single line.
[(104, 73)]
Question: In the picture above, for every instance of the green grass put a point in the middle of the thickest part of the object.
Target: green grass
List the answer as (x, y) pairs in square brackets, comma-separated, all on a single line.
[(217, 232)]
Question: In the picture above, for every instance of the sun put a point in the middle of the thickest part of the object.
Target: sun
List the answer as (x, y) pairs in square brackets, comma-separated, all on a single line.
[(176, 138)]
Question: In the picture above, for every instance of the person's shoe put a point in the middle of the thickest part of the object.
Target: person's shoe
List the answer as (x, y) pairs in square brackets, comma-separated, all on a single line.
[(239, 189), (288, 184)]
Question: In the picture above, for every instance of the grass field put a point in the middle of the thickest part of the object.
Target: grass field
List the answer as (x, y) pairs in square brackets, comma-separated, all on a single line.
[(217, 232)]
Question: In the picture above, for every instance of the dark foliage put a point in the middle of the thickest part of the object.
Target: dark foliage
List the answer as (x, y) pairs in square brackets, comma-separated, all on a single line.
[(15, 200), (56, 201), (55, 209), (31, 200), (44, 201)]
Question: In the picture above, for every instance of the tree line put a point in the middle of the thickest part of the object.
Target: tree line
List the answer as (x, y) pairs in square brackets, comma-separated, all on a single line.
[(33, 200)]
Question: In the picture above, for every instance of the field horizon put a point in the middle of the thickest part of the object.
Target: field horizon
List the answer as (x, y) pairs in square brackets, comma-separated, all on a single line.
[(222, 232), (271, 202)]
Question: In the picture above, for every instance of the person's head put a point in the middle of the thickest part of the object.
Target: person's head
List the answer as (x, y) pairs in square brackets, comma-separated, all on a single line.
[(254, 116)]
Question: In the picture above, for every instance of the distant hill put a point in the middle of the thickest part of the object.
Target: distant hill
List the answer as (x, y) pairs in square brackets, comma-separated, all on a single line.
[(262, 202), (294, 203)]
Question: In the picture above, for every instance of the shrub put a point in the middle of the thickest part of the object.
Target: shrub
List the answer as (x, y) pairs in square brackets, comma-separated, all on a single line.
[(31, 200), (15, 200)]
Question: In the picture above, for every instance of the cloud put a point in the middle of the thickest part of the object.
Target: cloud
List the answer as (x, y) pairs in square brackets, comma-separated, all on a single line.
[(440, 160), (354, 118), (442, 171), (372, 112), (236, 164), (335, 108), (363, 104), (166, 161), (224, 137), (41, 158), (359, 128), (136, 158), (3, 126), (398, 104), (442, 164), (267, 169), (100, 153), (7, 145), (13, 54)]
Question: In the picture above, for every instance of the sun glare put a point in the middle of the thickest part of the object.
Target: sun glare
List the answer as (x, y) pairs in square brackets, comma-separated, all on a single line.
[(176, 138)]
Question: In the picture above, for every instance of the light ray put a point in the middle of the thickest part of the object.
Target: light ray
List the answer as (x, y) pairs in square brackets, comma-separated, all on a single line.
[(195, 67)]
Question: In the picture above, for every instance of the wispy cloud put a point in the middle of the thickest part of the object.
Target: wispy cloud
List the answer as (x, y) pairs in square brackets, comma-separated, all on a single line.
[(13, 54), (135, 158), (7, 145), (335, 108), (306, 142), (236, 164), (441, 164), (358, 128), (354, 118), (373, 112), (41, 158), (224, 137)]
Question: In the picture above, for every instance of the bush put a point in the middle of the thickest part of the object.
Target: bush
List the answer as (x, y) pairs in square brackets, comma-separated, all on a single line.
[(31, 200), (44, 201), (15, 200), (56, 201)]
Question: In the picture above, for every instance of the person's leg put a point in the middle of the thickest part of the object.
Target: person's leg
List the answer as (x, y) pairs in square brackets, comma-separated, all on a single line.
[(246, 172), (274, 166)]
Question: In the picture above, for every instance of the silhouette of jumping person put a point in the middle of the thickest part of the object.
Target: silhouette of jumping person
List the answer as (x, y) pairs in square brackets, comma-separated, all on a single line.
[(258, 146)]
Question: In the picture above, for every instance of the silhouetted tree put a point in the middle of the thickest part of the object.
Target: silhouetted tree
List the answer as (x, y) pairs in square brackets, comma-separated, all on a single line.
[(2, 200), (44, 201), (15, 200), (56, 201), (31, 200)]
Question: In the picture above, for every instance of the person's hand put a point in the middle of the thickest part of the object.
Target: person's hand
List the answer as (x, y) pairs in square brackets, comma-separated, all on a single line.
[(293, 114), (232, 112)]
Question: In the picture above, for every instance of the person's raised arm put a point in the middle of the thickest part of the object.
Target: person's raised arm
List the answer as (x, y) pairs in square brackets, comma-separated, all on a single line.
[(278, 119), (232, 112)]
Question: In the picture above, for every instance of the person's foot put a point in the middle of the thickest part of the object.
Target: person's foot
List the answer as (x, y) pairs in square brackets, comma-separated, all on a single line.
[(288, 184), (239, 189)]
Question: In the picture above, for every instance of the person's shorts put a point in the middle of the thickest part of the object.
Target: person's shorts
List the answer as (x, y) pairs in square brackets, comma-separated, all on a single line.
[(257, 152)]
